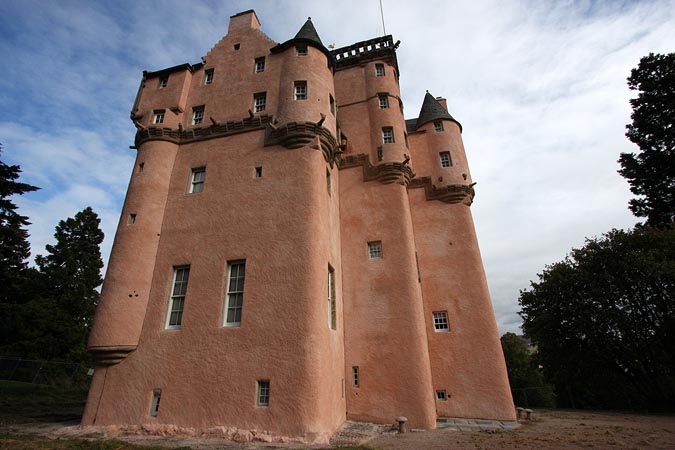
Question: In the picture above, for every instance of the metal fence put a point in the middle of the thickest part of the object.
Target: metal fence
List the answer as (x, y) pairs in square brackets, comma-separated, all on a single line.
[(43, 372)]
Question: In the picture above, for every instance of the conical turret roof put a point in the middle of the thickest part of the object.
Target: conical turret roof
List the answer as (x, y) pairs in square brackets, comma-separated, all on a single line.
[(307, 35), (433, 110), (308, 32)]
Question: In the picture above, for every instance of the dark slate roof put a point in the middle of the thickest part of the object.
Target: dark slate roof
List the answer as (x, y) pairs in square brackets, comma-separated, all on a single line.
[(306, 35), (433, 110), (309, 32), (410, 125)]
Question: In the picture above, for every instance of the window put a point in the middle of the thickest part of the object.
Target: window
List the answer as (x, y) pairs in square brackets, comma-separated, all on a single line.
[(379, 70), (301, 50), (441, 321), (384, 102), (235, 293), (237, 46), (258, 172), (332, 104), (438, 126), (405, 136), (197, 115), (445, 159), (163, 81), (197, 181), (159, 116), (300, 90), (355, 376), (375, 250), (259, 64), (263, 393), (332, 313), (208, 76), (177, 303), (141, 166), (132, 219), (259, 101), (441, 396), (379, 153), (154, 405), (387, 135), (328, 185)]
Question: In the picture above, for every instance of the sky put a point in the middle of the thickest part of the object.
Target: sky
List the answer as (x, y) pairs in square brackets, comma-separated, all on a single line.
[(539, 87)]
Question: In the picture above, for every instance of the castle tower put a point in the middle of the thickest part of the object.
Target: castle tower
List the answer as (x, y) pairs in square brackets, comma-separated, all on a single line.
[(278, 266)]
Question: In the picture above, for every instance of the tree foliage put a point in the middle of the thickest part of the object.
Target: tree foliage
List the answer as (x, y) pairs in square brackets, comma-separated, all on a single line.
[(651, 173), (604, 321), (525, 373)]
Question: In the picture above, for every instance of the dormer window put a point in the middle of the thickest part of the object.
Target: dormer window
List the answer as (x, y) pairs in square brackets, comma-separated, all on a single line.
[(208, 76), (301, 49), (163, 82)]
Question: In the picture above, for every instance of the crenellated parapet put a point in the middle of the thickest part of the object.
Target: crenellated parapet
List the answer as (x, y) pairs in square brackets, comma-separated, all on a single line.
[(382, 48), (384, 173)]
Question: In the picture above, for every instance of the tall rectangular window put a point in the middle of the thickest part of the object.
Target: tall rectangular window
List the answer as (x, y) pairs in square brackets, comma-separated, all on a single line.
[(375, 250), (259, 101), (300, 90), (438, 126), (332, 310), (159, 116), (384, 102), (445, 159), (259, 64), (328, 184), (441, 321), (208, 76), (235, 293), (197, 115), (332, 104), (379, 70), (387, 135), (177, 300), (197, 181), (263, 393), (154, 405), (355, 376)]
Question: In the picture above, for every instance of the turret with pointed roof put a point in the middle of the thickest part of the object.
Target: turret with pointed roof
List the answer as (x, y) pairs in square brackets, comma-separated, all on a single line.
[(433, 110), (308, 36)]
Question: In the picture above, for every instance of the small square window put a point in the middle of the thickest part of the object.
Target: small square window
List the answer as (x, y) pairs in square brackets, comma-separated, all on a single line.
[(441, 396), (301, 50), (132, 219), (208, 76), (263, 393), (384, 102), (375, 250), (237, 46), (197, 115), (445, 159), (438, 126), (154, 405), (197, 180), (379, 70), (355, 376), (163, 82), (259, 64), (158, 117), (141, 166), (441, 321), (300, 90), (258, 172), (387, 135), (259, 101)]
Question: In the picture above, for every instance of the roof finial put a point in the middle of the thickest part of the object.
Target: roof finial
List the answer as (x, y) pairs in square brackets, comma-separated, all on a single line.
[(309, 18)]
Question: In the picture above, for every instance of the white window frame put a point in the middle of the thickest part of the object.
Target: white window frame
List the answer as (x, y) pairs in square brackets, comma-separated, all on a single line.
[(159, 116), (208, 76), (332, 303), (441, 323), (234, 296), (177, 297), (375, 250), (383, 101), (445, 160), (438, 126), (197, 179), (154, 404), (259, 64), (379, 70), (263, 393), (259, 102), (197, 115), (388, 135), (441, 395), (356, 382), (300, 90)]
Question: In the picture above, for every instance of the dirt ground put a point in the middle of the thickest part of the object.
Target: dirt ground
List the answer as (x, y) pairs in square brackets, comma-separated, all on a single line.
[(549, 429)]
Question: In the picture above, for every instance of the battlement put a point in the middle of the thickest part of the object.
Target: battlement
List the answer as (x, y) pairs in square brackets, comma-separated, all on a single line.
[(378, 48)]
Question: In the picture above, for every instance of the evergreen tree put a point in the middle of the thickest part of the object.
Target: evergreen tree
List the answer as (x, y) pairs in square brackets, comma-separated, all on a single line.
[(651, 173)]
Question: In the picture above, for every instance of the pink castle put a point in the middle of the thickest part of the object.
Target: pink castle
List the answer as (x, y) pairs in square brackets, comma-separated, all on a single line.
[(293, 253)]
